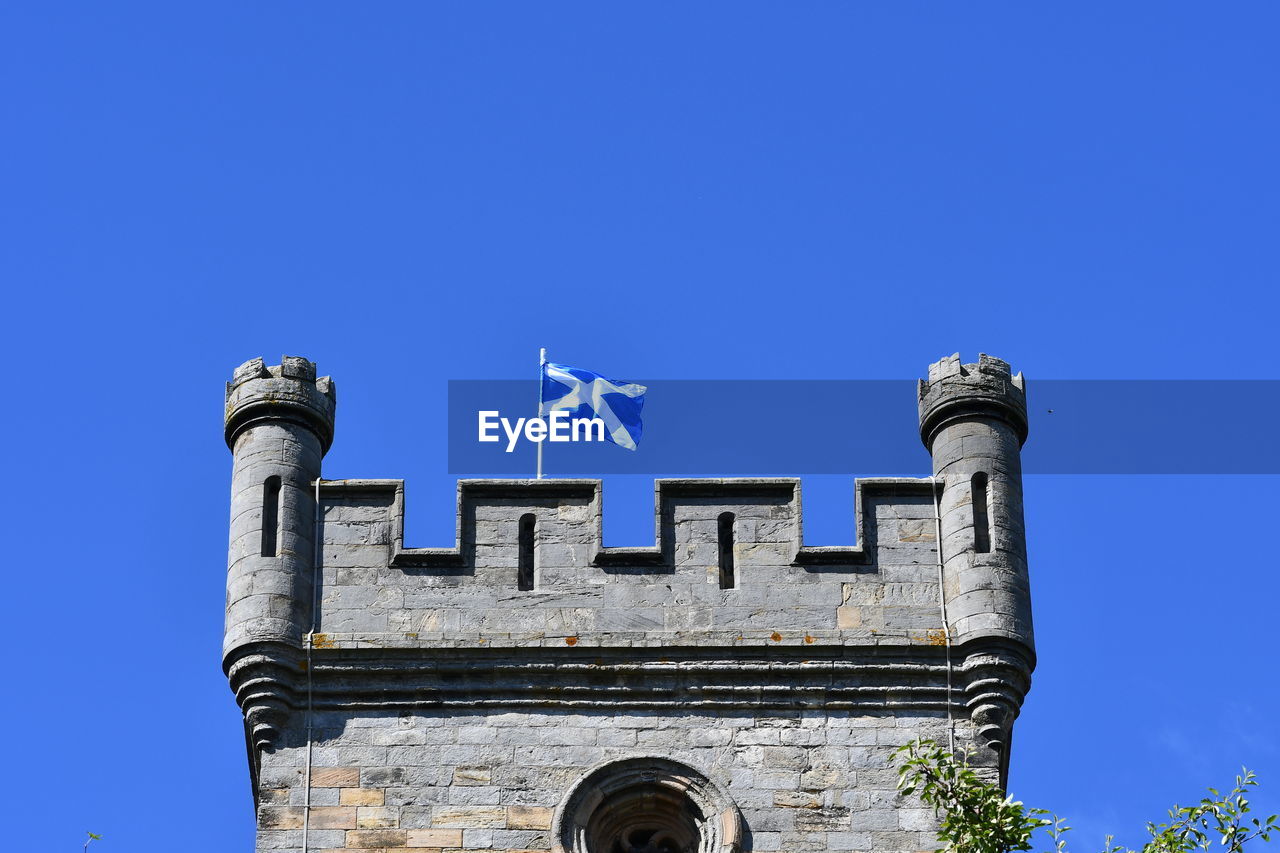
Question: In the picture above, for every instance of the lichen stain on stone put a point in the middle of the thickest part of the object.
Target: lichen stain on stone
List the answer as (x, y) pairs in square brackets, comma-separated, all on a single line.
[(321, 641), (776, 637), (808, 639), (571, 641), (916, 531), (937, 638)]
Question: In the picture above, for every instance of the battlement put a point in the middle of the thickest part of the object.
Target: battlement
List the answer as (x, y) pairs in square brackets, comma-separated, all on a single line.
[(290, 367), (288, 390), (729, 560), (528, 616), (989, 388)]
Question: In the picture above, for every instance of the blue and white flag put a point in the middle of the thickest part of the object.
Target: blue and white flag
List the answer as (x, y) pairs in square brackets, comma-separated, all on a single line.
[(589, 395)]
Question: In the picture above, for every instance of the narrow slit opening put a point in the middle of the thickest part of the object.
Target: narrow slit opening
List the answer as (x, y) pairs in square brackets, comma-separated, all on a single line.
[(524, 573), (981, 521), (270, 516), (727, 579)]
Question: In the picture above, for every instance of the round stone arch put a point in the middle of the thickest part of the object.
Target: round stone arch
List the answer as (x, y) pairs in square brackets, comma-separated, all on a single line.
[(646, 804)]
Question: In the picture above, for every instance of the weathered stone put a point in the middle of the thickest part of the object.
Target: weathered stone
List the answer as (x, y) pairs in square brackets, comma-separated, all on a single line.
[(472, 775), (470, 817), (362, 797), (363, 839), (528, 817), (768, 683), (377, 817), (434, 838), (332, 817), (335, 777), (280, 817)]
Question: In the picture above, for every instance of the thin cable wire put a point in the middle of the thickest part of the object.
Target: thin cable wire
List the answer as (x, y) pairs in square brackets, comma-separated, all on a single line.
[(942, 603), (315, 609)]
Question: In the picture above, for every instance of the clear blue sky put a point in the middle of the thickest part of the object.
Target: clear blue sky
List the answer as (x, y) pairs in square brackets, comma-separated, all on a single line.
[(412, 192)]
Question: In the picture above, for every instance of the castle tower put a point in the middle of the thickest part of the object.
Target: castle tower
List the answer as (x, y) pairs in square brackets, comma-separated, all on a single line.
[(279, 424), (529, 690), (973, 420)]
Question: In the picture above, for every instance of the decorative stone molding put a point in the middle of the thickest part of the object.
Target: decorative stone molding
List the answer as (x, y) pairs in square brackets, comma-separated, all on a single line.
[(792, 678), (997, 680), (646, 804), (263, 678)]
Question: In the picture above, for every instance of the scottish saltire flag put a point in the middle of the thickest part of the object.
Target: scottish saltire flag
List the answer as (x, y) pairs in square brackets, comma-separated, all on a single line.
[(589, 395)]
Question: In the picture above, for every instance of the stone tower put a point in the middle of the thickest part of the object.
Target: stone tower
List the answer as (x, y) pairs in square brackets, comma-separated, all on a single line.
[(528, 689)]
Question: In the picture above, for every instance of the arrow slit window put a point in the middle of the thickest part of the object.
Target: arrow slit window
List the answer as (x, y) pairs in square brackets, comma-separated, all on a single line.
[(981, 517), (524, 577), (270, 516), (727, 577)]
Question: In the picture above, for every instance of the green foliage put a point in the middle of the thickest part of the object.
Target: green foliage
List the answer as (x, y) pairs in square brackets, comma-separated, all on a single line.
[(976, 817)]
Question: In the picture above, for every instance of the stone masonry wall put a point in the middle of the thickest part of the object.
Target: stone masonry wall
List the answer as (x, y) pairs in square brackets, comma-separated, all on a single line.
[(488, 772), (726, 689), (804, 781)]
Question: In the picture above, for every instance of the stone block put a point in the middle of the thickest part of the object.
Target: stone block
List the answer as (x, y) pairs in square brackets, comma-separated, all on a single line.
[(472, 775), (333, 817), (477, 839), (478, 795), (361, 796), (849, 841), (377, 817), (786, 758), (470, 817), (398, 737), (363, 839), (279, 817), (335, 777), (796, 800), (380, 777), (529, 817)]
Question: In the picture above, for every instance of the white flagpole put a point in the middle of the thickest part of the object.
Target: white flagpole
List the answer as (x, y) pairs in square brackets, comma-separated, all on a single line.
[(542, 368)]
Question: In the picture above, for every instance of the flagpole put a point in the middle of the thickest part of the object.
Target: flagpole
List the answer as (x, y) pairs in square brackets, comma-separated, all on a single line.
[(542, 369)]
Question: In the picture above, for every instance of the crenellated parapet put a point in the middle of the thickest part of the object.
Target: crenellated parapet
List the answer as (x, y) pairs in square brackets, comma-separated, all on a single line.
[(769, 506), (728, 560), (956, 391), (728, 610), (288, 391), (660, 626)]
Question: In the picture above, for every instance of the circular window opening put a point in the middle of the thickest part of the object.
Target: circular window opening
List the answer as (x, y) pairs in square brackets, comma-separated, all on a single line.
[(646, 805)]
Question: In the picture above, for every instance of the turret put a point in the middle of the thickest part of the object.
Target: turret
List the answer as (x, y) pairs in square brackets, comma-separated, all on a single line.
[(973, 420), (279, 424)]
